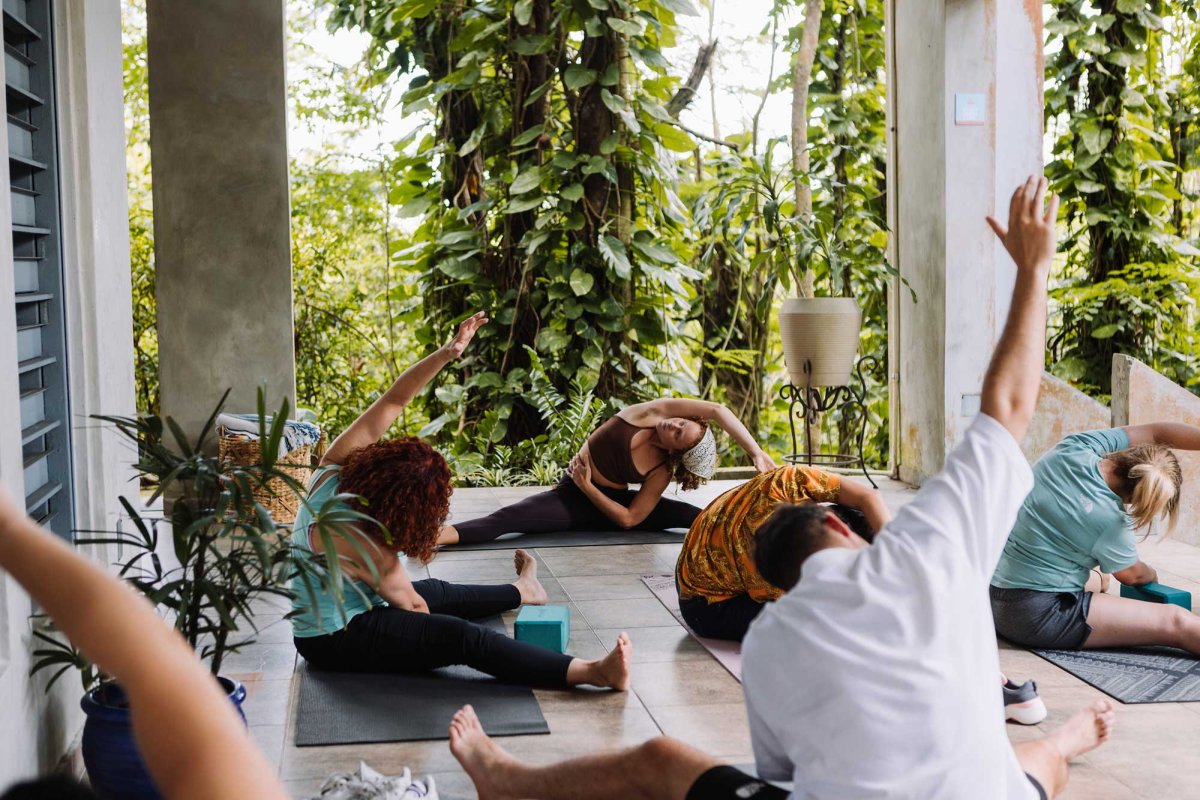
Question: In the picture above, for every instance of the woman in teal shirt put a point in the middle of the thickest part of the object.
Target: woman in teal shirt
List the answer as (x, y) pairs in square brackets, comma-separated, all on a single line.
[(1091, 494), (387, 622)]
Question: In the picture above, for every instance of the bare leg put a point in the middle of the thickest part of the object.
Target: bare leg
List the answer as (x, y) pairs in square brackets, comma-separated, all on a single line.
[(1125, 622), (527, 583), (610, 672), (1046, 758), (660, 769), (447, 534)]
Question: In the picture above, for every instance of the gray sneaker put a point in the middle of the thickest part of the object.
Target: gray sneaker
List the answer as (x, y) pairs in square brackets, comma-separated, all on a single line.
[(1022, 704)]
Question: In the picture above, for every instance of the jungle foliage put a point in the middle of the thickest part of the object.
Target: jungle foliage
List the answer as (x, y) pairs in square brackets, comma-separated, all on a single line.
[(543, 174), (1122, 102)]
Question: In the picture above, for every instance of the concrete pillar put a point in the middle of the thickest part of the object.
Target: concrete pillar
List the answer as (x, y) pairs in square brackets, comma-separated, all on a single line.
[(218, 136), (966, 124)]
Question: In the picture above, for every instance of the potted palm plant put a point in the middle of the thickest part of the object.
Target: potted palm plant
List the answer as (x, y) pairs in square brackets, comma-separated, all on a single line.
[(228, 553)]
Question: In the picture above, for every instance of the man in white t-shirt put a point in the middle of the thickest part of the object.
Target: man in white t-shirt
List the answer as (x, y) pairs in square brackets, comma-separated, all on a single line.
[(875, 675)]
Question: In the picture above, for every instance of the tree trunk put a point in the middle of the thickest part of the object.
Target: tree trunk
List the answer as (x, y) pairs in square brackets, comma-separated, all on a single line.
[(509, 269), (802, 69)]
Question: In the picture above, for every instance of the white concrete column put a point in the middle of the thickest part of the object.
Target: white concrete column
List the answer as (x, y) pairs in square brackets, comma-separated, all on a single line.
[(218, 138), (966, 123)]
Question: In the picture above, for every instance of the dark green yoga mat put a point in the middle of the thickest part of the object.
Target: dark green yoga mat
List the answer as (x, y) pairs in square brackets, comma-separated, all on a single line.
[(1134, 675), (360, 708), (572, 539)]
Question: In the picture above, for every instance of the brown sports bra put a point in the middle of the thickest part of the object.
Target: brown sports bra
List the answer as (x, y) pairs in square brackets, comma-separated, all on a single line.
[(611, 454)]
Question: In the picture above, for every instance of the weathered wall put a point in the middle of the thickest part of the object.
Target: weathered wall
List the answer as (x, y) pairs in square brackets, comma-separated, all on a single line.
[(1061, 411), (1141, 395), (946, 178), (218, 135)]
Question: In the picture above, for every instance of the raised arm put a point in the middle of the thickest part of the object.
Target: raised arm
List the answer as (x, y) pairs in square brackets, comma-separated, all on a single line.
[(867, 500), (702, 409), (375, 421), (192, 740), (1176, 435), (1010, 389)]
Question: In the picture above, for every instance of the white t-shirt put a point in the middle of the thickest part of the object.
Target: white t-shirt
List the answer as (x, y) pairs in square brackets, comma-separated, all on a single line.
[(877, 676)]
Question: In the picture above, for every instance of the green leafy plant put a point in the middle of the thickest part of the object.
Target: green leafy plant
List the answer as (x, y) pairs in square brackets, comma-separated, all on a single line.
[(229, 551)]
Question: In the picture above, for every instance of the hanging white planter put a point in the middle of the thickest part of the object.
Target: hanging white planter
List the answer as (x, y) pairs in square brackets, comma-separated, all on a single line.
[(822, 331)]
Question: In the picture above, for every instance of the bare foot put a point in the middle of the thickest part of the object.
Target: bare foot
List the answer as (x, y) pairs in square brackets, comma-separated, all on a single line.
[(612, 671), (481, 758), (1085, 730), (532, 591)]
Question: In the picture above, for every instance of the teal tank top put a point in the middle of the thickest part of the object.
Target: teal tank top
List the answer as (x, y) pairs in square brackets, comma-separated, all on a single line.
[(324, 618)]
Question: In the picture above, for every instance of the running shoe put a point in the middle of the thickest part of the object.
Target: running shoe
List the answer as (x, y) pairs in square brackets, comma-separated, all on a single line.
[(1022, 704)]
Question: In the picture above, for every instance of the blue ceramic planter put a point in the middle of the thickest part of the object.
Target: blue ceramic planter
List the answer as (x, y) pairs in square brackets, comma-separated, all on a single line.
[(114, 764)]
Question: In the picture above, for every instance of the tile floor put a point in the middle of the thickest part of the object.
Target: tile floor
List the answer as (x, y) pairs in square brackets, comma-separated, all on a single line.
[(678, 689)]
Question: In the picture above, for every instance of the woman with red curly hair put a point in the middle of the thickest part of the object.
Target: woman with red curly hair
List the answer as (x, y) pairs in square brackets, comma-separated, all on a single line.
[(388, 498), (648, 444)]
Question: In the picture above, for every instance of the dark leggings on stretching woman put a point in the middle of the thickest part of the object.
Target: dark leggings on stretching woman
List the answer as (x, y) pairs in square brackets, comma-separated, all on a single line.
[(387, 639), (567, 508)]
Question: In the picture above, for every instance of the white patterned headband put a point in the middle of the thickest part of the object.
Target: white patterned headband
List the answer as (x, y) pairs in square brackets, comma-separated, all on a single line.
[(701, 460)]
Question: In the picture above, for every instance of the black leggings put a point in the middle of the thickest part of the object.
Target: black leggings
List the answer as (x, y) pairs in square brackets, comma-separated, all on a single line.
[(728, 619), (567, 508), (387, 639)]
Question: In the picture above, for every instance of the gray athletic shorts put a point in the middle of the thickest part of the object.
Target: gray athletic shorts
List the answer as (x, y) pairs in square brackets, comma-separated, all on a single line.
[(1032, 618)]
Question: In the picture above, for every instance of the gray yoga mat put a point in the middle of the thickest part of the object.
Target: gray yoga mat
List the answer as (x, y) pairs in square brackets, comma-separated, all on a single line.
[(1134, 675), (572, 539), (359, 708)]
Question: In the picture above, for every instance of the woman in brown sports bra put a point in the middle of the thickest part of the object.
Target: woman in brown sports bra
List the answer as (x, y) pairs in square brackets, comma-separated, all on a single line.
[(648, 444)]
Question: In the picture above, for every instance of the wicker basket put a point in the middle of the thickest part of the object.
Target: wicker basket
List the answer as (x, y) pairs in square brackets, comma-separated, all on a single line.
[(275, 495)]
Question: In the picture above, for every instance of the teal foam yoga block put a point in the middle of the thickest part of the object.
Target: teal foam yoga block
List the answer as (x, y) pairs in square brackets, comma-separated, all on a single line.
[(545, 626), (1158, 593)]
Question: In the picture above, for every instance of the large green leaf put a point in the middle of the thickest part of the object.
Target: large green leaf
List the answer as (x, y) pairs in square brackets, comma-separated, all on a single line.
[(674, 139), (626, 26), (612, 250), (581, 282), (577, 77), (529, 179)]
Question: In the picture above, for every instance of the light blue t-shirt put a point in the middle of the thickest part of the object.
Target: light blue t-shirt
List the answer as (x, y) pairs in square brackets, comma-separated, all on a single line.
[(324, 618), (1071, 521)]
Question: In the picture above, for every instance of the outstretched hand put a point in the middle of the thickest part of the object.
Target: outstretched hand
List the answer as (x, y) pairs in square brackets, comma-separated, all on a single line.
[(1030, 237), (466, 332)]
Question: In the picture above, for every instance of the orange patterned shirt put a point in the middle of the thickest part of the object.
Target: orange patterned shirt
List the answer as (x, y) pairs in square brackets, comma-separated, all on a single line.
[(716, 562)]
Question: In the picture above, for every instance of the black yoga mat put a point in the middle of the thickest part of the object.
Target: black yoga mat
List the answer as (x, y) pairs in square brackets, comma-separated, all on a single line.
[(1134, 675), (572, 539), (358, 708)]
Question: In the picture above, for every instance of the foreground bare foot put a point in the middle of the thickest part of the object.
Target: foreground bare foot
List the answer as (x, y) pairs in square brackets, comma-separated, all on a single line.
[(532, 591), (483, 760), (612, 671), (1085, 730)]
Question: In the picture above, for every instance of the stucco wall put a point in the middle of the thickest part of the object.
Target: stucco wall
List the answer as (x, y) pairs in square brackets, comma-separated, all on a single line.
[(947, 175), (1061, 411), (39, 728), (222, 246), (1141, 395)]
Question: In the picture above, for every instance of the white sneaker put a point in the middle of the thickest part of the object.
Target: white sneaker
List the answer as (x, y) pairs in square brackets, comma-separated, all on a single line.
[(1022, 704)]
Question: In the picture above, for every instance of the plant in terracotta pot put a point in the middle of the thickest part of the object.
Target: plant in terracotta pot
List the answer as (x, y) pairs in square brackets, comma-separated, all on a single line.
[(228, 553)]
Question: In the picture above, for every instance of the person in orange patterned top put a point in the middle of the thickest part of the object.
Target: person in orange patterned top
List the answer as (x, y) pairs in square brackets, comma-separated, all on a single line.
[(720, 591)]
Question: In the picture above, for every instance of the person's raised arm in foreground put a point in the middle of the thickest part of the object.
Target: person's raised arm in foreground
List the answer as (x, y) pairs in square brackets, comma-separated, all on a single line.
[(374, 422), (1010, 388), (187, 730)]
